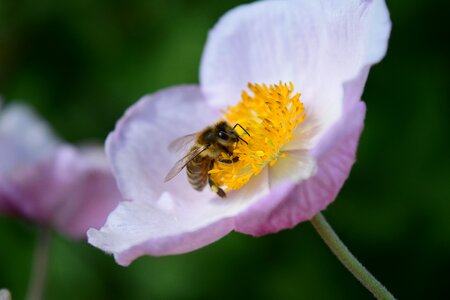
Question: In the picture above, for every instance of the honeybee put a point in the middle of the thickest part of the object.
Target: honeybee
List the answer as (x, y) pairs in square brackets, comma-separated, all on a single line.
[(209, 144)]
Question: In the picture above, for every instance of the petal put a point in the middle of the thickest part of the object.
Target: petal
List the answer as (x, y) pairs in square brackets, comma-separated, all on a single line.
[(170, 225), (314, 194), (24, 138), (66, 190), (4, 293), (90, 198), (36, 188), (256, 220), (297, 166), (136, 228), (318, 45)]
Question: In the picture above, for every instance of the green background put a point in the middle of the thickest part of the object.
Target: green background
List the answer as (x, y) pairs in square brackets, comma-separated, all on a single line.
[(81, 63)]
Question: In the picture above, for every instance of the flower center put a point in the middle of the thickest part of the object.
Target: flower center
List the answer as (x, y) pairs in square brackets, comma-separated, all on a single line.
[(269, 116)]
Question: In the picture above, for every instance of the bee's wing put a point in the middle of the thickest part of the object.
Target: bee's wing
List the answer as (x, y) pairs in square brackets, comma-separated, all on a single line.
[(181, 142), (179, 165)]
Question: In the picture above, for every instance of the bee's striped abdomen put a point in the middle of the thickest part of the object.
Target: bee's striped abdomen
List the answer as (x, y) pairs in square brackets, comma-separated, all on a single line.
[(197, 172)]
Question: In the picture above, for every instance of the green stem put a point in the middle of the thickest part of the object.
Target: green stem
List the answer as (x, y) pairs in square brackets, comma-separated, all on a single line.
[(40, 261), (347, 259)]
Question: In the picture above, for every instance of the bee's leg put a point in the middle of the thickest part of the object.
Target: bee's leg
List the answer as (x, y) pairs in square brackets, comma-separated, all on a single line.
[(229, 161), (214, 187)]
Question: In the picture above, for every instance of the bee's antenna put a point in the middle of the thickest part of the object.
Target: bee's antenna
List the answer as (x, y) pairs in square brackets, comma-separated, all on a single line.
[(237, 124), (242, 139)]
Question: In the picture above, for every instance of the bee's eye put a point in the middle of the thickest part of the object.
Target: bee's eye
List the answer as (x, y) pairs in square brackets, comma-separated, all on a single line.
[(223, 135)]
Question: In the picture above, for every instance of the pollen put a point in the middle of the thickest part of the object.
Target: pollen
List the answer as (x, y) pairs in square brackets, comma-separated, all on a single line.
[(269, 114)]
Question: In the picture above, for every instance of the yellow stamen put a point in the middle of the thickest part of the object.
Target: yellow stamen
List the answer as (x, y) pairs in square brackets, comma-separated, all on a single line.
[(270, 116)]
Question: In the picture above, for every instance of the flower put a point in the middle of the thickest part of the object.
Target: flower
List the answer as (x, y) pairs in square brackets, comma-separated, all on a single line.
[(50, 183), (292, 74)]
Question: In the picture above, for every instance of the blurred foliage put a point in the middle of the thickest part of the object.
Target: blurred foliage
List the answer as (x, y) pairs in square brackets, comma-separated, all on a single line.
[(81, 63)]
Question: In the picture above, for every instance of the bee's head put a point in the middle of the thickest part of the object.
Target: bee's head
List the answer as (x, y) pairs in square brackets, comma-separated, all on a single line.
[(225, 134)]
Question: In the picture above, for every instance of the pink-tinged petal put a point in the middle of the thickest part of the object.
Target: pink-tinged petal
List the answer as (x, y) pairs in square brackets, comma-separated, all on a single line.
[(36, 188), (170, 225), (137, 228), (317, 45), (24, 138), (315, 194), (257, 218), (306, 42), (91, 198), (67, 190)]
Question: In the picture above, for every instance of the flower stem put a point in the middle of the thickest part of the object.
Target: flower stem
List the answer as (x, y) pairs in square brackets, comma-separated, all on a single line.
[(40, 261), (347, 259)]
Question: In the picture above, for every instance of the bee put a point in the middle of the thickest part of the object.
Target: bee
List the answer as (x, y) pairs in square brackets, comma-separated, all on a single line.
[(209, 144)]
